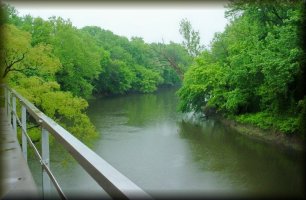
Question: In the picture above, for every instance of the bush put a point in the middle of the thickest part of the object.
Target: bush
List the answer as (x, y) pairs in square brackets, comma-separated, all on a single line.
[(264, 120)]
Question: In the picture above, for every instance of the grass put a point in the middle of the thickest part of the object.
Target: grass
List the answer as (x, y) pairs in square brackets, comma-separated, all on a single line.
[(264, 120)]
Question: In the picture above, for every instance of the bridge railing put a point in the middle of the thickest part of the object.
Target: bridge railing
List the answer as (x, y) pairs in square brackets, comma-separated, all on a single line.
[(110, 179)]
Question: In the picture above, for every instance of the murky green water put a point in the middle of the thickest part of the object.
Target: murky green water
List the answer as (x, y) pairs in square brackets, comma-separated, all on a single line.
[(166, 152)]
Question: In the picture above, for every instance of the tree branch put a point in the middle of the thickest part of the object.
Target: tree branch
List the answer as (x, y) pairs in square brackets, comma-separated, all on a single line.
[(274, 11), (9, 68), (171, 62)]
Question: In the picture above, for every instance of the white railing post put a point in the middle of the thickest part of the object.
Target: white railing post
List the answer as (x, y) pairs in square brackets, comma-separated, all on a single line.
[(14, 115), (23, 130), (8, 111), (45, 158)]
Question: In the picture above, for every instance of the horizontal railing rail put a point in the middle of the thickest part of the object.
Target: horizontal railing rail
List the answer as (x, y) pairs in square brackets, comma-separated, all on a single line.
[(111, 180)]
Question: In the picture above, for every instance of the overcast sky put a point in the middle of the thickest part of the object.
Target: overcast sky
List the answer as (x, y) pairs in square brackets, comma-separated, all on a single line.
[(152, 22)]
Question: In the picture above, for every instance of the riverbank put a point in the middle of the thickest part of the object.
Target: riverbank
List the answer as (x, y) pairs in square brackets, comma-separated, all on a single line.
[(137, 131), (160, 88), (270, 136)]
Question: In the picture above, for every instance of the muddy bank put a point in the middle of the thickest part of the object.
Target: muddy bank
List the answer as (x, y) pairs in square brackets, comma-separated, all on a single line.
[(270, 136)]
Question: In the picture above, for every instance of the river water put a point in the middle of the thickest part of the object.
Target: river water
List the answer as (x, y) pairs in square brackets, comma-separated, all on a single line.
[(166, 152)]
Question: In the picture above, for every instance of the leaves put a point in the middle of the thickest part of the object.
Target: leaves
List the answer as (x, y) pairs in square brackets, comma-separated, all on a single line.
[(34, 77), (191, 38), (21, 57), (134, 66), (63, 107), (253, 67)]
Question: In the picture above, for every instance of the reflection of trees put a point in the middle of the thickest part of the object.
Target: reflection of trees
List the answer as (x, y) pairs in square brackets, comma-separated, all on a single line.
[(255, 165), (245, 162), (138, 109), (209, 145), (151, 107)]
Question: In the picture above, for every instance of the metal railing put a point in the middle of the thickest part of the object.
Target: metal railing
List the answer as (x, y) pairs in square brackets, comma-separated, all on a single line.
[(111, 180)]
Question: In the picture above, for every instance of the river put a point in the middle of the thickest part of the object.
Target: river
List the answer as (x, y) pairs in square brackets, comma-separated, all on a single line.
[(166, 152)]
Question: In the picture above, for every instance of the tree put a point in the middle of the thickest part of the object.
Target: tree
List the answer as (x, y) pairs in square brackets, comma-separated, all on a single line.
[(253, 70), (191, 38), (146, 80), (174, 56), (20, 56), (79, 56), (14, 50), (31, 71), (202, 83), (133, 63), (63, 107)]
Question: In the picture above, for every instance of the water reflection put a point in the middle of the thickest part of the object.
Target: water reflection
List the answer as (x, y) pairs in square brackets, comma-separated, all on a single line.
[(166, 152), (252, 165), (134, 110)]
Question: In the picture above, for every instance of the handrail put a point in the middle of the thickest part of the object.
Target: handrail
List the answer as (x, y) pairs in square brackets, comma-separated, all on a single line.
[(110, 179), (43, 164)]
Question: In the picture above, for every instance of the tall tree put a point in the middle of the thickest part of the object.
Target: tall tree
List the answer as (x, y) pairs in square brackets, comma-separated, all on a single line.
[(31, 71), (20, 56), (191, 38), (256, 62)]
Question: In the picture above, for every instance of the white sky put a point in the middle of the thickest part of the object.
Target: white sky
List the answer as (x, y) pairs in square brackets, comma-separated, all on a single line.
[(152, 22)]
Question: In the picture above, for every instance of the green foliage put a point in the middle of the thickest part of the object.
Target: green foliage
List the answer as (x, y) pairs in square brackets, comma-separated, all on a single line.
[(61, 106), (79, 56), (10, 14), (252, 69), (198, 86), (266, 120), (146, 80), (34, 133), (17, 44), (134, 65), (170, 77), (55, 65), (96, 60), (191, 38), (171, 58), (21, 57), (32, 73), (115, 79)]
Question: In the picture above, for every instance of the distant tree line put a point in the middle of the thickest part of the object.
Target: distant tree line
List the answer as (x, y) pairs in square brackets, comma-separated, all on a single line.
[(58, 66)]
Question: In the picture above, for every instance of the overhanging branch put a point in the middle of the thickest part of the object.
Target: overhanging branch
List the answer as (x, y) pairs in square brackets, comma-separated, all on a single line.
[(9, 66)]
